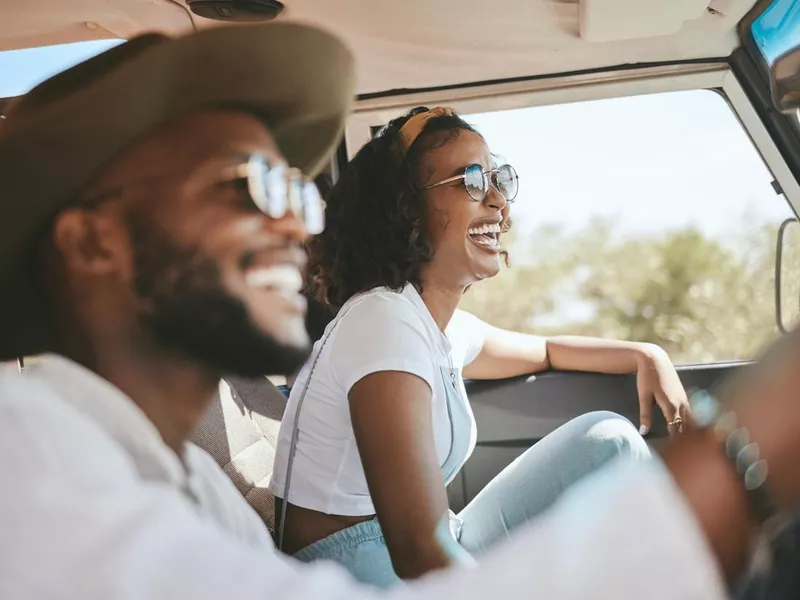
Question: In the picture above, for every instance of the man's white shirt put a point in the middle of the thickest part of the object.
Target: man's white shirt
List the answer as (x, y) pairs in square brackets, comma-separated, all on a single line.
[(94, 505)]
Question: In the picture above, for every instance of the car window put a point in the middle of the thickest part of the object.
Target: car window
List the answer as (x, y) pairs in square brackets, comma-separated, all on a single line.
[(20, 70), (650, 218)]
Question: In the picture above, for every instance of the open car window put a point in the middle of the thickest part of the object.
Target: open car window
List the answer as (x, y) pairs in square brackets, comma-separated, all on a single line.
[(650, 218), (20, 70)]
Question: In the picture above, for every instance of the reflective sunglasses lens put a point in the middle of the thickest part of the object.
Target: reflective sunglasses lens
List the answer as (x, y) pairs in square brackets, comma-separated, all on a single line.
[(256, 186), (267, 186), (294, 185), (277, 191), (475, 182), (507, 182), (313, 209)]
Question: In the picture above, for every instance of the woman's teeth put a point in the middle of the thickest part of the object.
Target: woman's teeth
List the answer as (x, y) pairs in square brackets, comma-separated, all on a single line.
[(487, 228), (486, 235)]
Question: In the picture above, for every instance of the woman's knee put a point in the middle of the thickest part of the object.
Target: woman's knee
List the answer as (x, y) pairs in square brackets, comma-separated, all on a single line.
[(610, 434)]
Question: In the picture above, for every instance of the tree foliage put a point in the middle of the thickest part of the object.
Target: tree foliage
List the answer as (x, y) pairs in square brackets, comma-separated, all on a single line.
[(702, 299)]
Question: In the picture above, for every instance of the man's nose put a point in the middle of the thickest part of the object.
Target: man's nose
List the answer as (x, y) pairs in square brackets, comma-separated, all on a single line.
[(289, 225)]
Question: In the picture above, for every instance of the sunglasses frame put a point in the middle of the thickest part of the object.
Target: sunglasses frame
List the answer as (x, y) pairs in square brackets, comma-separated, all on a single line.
[(487, 179), (276, 190), (297, 193)]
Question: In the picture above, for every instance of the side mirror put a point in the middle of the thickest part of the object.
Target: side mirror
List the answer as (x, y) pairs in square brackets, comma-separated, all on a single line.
[(785, 82), (787, 275)]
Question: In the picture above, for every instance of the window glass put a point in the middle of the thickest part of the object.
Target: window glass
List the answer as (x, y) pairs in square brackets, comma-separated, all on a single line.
[(650, 218), (20, 70)]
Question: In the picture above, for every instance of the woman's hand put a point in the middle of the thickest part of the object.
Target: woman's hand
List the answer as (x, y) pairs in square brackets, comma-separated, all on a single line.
[(657, 382), (507, 354)]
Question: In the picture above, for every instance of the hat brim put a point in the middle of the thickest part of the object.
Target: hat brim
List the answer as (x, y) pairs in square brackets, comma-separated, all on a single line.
[(297, 79)]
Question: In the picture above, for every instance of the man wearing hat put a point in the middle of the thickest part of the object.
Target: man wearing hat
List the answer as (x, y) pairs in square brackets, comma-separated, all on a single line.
[(153, 202)]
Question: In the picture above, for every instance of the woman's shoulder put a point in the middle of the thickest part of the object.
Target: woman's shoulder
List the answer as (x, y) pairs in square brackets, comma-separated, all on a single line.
[(379, 330), (380, 302), (381, 313)]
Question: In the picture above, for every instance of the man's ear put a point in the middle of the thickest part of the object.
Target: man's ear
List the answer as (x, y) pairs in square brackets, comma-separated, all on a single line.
[(88, 241)]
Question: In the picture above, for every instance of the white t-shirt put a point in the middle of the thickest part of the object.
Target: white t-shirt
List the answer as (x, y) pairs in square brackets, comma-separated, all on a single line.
[(379, 330)]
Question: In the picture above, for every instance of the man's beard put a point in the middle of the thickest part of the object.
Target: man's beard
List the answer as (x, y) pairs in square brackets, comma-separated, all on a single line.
[(191, 312)]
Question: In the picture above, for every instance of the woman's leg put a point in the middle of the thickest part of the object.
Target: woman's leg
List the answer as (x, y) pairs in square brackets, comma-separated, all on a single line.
[(536, 479)]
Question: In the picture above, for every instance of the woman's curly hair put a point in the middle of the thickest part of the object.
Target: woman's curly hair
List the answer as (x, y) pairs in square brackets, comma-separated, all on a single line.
[(375, 221)]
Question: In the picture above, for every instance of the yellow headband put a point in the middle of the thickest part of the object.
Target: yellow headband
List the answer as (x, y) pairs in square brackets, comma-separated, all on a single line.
[(414, 126)]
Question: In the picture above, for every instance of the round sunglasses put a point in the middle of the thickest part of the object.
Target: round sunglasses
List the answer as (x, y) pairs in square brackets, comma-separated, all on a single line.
[(274, 189), (477, 181), (278, 189)]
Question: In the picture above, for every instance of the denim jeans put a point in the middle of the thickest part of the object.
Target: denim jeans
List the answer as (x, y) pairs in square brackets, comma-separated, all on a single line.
[(523, 490)]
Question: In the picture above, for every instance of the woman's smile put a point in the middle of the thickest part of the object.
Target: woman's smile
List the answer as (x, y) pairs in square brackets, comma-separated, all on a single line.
[(486, 235)]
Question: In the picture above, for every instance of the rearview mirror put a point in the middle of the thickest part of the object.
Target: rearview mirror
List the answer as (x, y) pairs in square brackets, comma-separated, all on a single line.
[(787, 275)]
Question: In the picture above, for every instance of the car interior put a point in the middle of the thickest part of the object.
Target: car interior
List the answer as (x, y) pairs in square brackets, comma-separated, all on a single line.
[(477, 57)]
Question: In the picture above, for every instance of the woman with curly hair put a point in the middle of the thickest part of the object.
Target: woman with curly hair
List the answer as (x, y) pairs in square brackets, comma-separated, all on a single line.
[(378, 421)]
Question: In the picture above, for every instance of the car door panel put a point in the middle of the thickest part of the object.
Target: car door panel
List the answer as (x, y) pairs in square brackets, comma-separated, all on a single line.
[(514, 414)]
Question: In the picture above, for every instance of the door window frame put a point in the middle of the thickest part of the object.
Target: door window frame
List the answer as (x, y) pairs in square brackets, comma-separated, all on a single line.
[(563, 89), (372, 113)]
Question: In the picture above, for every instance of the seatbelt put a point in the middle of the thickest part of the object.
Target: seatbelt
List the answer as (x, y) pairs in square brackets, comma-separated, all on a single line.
[(296, 424)]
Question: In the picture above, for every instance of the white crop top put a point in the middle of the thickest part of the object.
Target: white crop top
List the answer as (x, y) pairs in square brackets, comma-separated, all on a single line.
[(379, 330)]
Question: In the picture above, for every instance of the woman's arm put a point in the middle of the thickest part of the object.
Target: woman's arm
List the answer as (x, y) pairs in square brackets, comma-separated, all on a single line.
[(509, 354), (391, 415)]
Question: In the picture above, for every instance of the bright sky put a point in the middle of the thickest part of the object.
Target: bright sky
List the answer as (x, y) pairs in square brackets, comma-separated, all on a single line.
[(20, 70), (652, 162)]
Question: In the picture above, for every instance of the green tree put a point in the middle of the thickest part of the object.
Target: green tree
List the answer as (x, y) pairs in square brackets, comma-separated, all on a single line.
[(701, 299), (518, 294)]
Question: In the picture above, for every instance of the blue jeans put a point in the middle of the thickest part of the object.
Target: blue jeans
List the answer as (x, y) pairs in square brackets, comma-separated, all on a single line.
[(523, 490)]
